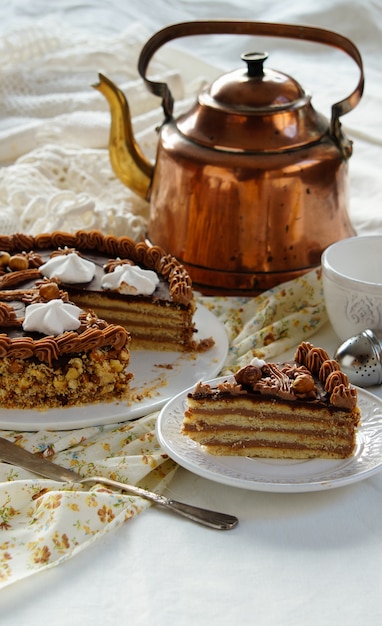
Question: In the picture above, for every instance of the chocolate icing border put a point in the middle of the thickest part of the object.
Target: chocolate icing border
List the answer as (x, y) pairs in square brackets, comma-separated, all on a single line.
[(152, 257), (92, 334)]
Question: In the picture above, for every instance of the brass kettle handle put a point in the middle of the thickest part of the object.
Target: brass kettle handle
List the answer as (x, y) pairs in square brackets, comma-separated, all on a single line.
[(237, 27)]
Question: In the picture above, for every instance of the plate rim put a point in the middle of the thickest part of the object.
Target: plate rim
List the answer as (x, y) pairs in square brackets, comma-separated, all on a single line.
[(232, 478), (120, 411)]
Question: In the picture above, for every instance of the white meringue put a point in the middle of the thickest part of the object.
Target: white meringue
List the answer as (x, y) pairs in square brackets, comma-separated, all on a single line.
[(51, 318), (69, 268), (130, 279), (258, 362)]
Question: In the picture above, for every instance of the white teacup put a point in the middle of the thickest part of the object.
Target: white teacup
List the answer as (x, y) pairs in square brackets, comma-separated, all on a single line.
[(352, 281)]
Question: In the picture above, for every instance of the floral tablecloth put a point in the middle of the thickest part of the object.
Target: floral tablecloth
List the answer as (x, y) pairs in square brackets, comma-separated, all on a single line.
[(43, 522)]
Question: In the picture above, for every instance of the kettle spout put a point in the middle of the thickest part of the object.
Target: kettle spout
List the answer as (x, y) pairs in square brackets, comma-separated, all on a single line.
[(126, 158)]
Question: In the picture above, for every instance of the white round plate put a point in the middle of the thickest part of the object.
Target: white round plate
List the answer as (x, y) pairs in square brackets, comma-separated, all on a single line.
[(158, 376), (276, 475)]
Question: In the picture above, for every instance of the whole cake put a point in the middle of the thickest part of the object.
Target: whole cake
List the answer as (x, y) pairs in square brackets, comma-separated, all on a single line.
[(71, 306), (301, 409)]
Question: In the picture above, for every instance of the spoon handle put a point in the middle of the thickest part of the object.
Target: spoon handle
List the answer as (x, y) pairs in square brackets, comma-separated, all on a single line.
[(12, 453), (212, 519)]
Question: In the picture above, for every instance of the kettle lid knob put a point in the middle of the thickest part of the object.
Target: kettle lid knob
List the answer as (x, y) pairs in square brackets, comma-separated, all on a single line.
[(255, 62)]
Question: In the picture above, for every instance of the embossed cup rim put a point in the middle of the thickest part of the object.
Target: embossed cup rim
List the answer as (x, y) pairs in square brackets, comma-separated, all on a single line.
[(344, 254), (354, 286)]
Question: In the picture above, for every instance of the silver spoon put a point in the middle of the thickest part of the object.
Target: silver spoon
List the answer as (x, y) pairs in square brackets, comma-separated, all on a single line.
[(12, 453)]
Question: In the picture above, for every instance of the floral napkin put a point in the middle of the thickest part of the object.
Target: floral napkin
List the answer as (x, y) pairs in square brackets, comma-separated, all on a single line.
[(44, 522), (272, 322)]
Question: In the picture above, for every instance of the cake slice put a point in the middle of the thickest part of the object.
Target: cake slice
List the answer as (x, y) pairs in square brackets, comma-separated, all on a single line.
[(301, 409)]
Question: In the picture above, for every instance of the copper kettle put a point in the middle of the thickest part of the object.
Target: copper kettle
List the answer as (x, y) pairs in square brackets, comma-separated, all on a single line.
[(251, 185)]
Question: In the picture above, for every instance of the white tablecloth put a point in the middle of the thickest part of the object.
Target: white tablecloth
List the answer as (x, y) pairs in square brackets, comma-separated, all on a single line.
[(295, 559)]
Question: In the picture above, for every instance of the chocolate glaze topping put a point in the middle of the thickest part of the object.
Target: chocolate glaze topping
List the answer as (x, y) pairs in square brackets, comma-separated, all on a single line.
[(311, 377), (93, 245)]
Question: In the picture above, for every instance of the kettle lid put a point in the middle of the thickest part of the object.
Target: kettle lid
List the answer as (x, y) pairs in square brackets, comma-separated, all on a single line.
[(253, 109), (256, 89)]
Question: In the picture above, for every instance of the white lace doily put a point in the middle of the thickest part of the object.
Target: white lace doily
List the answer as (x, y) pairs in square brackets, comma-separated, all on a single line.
[(54, 129)]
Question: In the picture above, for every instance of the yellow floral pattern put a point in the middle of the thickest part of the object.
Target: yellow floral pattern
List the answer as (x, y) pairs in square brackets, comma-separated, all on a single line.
[(43, 522), (271, 323)]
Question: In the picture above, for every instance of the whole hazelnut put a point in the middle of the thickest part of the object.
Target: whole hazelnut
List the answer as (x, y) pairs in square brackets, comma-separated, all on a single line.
[(49, 291), (18, 262), (248, 375), (303, 383), (4, 258)]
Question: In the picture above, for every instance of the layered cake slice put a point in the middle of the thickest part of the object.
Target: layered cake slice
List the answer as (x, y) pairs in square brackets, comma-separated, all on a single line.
[(125, 283), (301, 409)]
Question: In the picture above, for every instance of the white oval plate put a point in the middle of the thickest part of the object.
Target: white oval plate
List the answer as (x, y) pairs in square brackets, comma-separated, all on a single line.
[(158, 376), (273, 474)]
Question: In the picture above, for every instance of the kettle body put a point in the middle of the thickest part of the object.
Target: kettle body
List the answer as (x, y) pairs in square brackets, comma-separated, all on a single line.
[(251, 185), (247, 226)]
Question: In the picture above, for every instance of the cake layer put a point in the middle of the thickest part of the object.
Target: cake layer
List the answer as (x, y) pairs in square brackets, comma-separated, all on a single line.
[(257, 449), (252, 414), (151, 325), (233, 433), (204, 432)]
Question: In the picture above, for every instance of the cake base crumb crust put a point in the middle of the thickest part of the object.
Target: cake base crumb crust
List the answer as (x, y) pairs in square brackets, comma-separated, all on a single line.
[(96, 376)]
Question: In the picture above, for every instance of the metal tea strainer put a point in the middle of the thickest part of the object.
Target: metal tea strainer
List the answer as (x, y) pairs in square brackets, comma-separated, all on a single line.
[(360, 358)]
